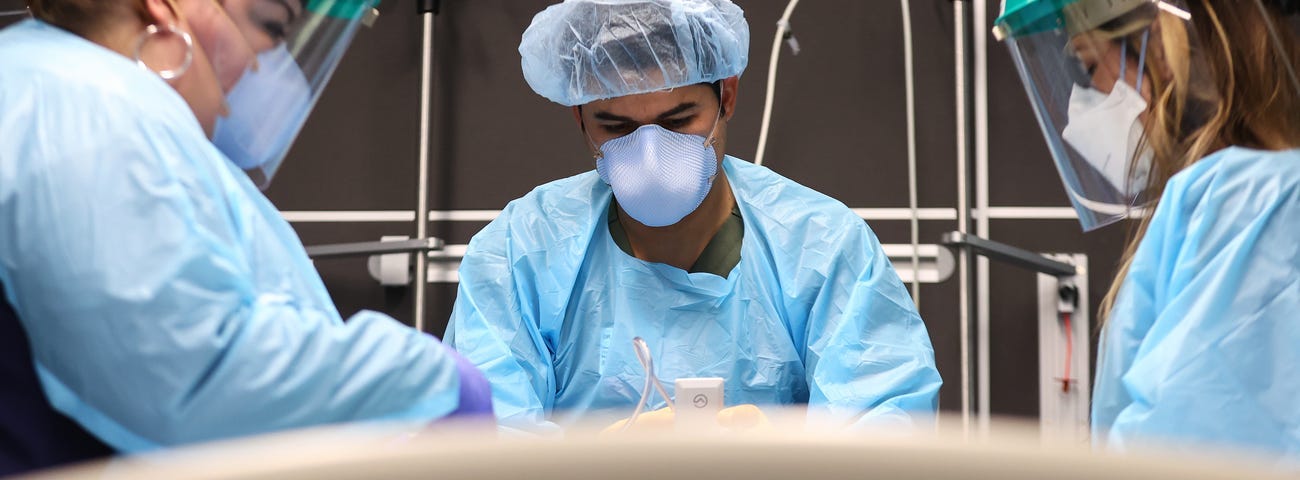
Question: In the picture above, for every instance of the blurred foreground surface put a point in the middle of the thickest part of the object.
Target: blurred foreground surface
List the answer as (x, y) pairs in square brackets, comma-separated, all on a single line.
[(784, 447)]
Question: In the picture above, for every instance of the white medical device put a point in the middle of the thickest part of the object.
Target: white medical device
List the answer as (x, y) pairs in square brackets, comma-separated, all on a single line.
[(697, 403)]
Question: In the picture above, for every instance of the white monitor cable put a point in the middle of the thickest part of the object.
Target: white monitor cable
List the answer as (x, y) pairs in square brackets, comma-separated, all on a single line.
[(783, 32)]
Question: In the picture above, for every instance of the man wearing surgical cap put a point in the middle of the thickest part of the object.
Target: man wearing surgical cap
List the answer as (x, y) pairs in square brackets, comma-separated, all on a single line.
[(724, 268)]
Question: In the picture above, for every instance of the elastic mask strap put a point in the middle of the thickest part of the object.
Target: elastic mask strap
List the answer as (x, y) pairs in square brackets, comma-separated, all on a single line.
[(1142, 59), (599, 153), (710, 141), (1123, 60)]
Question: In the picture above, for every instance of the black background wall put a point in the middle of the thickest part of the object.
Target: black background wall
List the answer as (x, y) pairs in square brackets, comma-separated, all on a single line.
[(839, 127)]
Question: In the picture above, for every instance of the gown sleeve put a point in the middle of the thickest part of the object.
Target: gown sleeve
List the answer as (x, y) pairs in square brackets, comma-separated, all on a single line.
[(494, 324), (134, 268), (868, 356)]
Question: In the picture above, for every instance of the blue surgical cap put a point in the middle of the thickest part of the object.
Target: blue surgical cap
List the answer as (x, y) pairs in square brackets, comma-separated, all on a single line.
[(584, 50)]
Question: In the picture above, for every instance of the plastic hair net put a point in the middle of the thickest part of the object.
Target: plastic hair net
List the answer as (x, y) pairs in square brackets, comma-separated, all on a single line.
[(584, 50)]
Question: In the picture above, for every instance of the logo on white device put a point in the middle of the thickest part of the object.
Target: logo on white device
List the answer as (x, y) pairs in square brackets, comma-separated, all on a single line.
[(701, 400)]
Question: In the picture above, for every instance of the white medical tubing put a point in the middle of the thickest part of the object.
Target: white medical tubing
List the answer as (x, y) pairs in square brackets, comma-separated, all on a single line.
[(782, 26), (640, 405), (651, 382)]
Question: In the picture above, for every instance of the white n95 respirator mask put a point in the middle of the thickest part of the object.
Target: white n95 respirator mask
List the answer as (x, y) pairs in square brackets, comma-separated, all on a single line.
[(1105, 130), (658, 176), (267, 108)]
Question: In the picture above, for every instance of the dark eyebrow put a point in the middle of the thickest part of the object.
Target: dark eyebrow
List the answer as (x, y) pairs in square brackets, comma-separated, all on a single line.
[(609, 117), (676, 110), (612, 118)]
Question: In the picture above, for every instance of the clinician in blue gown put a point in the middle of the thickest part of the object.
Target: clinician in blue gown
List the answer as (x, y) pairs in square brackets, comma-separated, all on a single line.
[(1192, 109), (164, 299), (725, 268), (1200, 343)]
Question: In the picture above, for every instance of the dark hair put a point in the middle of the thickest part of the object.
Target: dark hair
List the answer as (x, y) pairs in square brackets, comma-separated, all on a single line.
[(1285, 7), (717, 91), (83, 16)]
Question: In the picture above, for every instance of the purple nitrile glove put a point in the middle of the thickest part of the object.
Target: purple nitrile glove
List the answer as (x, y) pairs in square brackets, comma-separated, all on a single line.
[(475, 391)]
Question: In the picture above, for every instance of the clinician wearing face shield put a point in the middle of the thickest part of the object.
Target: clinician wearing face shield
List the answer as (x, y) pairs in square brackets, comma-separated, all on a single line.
[(1189, 111), (724, 268), (271, 101), (152, 295)]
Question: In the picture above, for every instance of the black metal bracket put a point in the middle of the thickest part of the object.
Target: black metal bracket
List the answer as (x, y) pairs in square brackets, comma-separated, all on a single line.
[(359, 249), (428, 6), (1008, 254)]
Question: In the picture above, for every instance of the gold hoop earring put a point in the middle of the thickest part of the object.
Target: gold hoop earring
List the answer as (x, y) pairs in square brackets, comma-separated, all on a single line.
[(154, 30)]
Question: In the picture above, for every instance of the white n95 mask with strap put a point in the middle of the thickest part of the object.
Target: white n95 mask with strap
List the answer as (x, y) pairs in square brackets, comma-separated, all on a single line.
[(1105, 130)]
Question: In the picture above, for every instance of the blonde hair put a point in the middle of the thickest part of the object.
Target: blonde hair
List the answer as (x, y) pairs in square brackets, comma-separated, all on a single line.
[(1246, 98)]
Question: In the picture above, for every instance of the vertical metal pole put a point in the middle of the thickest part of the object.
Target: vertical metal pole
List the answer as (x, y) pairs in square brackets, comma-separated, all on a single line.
[(422, 203), (965, 112), (979, 41), (909, 75)]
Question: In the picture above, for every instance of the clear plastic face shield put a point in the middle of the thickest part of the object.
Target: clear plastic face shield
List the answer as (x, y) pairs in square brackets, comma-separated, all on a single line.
[(1098, 74), (299, 44), (14, 13)]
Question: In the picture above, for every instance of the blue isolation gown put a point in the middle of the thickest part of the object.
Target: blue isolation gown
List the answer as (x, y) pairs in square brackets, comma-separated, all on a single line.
[(165, 299), (814, 312), (1202, 346)]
